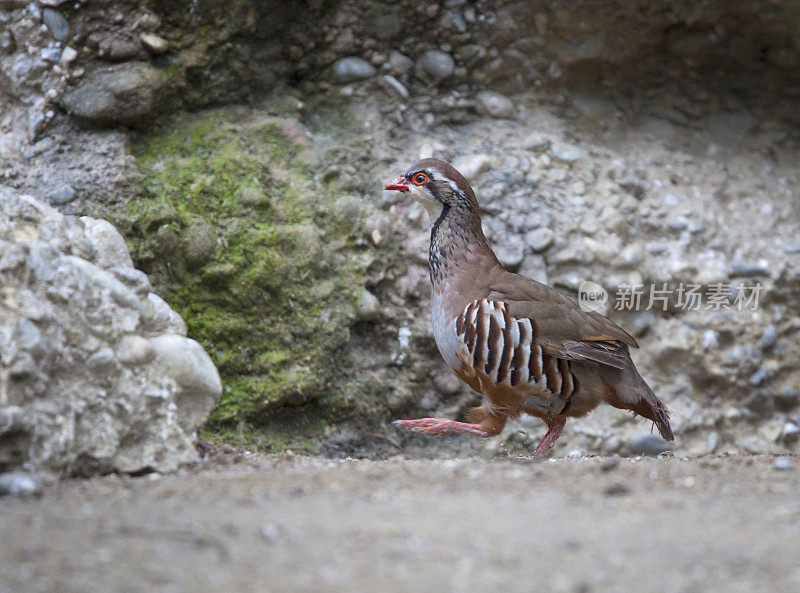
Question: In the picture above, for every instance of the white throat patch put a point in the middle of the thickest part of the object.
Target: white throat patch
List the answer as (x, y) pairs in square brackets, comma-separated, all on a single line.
[(431, 204)]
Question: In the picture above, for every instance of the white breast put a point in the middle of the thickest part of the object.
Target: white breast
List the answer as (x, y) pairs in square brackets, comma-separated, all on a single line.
[(444, 332)]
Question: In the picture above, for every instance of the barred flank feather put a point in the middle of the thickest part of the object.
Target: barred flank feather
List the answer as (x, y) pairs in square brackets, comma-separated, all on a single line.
[(505, 349)]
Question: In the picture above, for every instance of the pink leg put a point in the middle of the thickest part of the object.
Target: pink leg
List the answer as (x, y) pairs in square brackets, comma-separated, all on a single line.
[(441, 426), (550, 438)]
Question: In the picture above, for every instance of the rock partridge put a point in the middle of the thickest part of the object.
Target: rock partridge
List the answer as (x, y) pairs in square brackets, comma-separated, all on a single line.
[(525, 347)]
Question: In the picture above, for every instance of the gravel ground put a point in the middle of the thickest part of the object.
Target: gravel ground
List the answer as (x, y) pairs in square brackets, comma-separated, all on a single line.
[(288, 523)]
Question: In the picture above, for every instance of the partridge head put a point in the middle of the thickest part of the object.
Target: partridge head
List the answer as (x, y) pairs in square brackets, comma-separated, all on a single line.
[(523, 346)]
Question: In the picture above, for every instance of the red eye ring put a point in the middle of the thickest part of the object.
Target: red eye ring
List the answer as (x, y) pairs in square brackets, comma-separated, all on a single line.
[(420, 179)]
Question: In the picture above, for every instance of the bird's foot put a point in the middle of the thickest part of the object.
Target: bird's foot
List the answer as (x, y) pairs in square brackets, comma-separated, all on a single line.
[(441, 426), (550, 438)]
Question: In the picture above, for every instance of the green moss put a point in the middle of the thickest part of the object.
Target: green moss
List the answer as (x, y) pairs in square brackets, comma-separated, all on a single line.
[(300, 438), (241, 240)]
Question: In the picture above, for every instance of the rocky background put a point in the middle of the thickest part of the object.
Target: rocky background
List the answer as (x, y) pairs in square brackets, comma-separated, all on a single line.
[(240, 148)]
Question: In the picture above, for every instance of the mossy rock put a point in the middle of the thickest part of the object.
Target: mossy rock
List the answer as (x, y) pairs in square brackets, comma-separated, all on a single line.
[(250, 249)]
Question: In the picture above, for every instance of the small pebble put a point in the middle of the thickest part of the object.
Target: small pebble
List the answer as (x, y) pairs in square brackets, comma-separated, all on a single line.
[(394, 85), (20, 484), (61, 195), (635, 187), (51, 54), (510, 252), (398, 63), (617, 489), (454, 20), (782, 463), (494, 105), (154, 44), (540, 239), (68, 55), (768, 337), (536, 142), (368, 306), (712, 442), (749, 270), (610, 463), (352, 69), (759, 376), (56, 23), (648, 444), (437, 64), (270, 532), (678, 224), (790, 431), (566, 154), (7, 42)]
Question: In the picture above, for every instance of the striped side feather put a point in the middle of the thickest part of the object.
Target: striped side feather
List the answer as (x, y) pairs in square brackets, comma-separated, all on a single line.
[(507, 349)]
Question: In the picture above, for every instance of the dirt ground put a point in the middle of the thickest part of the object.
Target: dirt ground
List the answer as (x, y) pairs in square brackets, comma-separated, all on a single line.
[(288, 523)]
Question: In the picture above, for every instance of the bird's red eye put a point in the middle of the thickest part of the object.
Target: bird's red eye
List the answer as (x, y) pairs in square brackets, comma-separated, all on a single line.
[(420, 179)]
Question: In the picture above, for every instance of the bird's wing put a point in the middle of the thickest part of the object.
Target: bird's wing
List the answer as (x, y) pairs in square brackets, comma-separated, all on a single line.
[(563, 329), (602, 352)]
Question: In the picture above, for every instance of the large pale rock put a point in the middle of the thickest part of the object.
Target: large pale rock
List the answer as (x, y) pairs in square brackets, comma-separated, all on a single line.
[(94, 376)]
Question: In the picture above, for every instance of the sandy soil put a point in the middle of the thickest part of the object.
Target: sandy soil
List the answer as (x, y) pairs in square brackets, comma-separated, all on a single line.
[(284, 523)]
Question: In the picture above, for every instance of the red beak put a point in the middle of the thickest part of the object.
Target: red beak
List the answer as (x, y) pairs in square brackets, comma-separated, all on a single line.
[(399, 184)]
